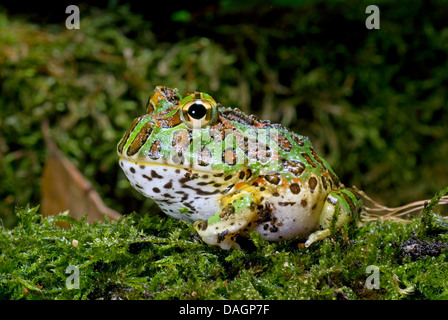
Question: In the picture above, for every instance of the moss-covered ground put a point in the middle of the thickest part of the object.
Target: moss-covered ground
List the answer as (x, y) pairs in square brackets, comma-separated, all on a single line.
[(155, 257)]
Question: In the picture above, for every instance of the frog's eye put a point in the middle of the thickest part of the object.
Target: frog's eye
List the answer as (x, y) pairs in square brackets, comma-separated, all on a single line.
[(199, 112)]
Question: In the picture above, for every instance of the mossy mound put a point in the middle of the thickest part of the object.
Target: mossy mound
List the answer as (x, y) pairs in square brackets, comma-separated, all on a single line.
[(155, 257)]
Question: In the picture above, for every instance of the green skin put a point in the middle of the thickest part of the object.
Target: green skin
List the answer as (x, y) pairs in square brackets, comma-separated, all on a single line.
[(290, 193)]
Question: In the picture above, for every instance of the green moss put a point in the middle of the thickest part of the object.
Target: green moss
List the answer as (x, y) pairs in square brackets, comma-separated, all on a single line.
[(155, 257)]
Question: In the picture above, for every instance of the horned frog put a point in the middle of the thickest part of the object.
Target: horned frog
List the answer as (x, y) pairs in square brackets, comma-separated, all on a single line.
[(229, 173)]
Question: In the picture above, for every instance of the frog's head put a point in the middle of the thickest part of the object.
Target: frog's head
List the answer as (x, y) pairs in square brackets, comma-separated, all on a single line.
[(164, 135), (197, 133)]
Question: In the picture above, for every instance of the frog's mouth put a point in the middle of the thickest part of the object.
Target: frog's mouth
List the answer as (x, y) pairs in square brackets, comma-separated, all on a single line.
[(171, 163), (159, 165)]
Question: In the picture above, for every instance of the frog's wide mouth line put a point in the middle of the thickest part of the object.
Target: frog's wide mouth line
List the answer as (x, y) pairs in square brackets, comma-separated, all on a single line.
[(158, 164)]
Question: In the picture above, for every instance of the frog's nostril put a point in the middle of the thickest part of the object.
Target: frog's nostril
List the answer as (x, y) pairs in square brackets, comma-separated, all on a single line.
[(123, 141)]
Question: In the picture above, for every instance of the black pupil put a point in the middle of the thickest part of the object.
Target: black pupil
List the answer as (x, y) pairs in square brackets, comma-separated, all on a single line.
[(197, 111)]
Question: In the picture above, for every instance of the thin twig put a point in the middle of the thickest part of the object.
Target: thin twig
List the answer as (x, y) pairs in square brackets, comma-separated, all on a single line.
[(375, 211)]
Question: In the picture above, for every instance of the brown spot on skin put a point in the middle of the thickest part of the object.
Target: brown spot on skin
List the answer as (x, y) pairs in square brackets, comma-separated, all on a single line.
[(264, 213), (298, 140), (155, 175), (262, 188), (263, 153), (228, 177), (236, 115), (154, 151), (164, 93), (189, 206), (248, 173), (163, 121), (187, 177), (284, 204), (229, 157), (177, 171), (216, 185), (252, 207), (280, 140), (221, 236), (294, 166), (181, 140), (308, 159), (318, 159), (132, 169), (156, 190), (168, 185), (312, 183), (146, 177), (314, 207), (242, 175), (273, 178), (304, 203), (324, 182), (276, 194), (204, 157), (295, 188), (204, 183), (334, 179), (219, 130), (140, 139), (142, 167)]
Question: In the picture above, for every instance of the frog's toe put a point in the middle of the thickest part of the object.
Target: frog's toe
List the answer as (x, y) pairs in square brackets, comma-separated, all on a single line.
[(215, 236), (317, 236), (200, 225)]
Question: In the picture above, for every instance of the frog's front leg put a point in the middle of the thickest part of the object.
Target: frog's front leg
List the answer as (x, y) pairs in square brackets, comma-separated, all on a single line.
[(341, 207), (222, 228)]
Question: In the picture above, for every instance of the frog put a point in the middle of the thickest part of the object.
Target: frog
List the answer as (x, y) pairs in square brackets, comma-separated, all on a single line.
[(229, 174)]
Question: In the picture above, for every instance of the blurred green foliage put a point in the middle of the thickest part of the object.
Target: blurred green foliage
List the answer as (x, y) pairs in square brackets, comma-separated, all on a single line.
[(373, 102)]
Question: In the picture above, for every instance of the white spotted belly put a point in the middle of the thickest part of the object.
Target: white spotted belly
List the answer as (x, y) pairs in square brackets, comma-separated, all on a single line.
[(179, 192)]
